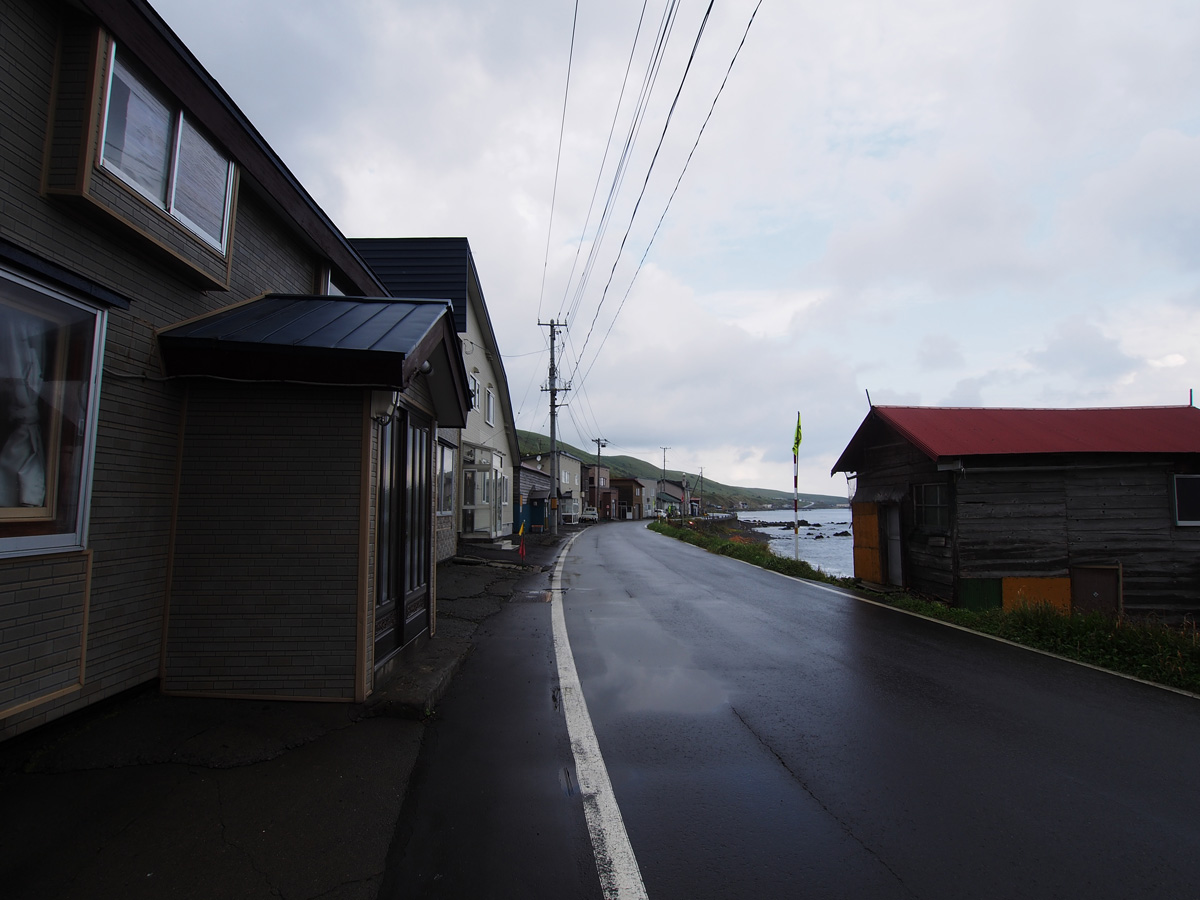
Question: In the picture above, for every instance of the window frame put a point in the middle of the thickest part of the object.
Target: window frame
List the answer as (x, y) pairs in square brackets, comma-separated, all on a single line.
[(489, 411), (923, 506), (473, 385), (179, 122), (61, 522), (1194, 502), (445, 480)]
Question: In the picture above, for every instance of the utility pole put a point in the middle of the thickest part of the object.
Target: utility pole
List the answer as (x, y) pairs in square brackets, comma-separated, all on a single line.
[(553, 388), (702, 490), (599, 442), (664, 475)]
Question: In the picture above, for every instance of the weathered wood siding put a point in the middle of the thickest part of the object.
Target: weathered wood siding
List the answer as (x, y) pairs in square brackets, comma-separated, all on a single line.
[(1040, 523), (892, 466)]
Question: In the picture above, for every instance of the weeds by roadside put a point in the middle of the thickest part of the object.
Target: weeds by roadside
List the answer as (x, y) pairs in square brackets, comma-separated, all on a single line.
[(1167, 655)]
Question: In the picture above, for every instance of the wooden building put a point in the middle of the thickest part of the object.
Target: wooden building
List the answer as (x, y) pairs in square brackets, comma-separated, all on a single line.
[(1079, 508), (215, 424)]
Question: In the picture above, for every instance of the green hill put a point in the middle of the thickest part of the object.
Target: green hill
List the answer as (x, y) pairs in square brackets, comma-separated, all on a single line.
[(715, 494)]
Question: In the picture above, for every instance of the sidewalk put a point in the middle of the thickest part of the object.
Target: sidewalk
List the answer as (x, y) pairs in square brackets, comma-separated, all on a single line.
[(154, 796)]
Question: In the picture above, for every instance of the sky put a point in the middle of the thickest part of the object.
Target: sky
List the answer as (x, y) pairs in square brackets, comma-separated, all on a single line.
[(993, 203)]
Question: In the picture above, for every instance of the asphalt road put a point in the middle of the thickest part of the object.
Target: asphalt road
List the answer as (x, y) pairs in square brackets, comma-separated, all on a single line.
[(767, 737)]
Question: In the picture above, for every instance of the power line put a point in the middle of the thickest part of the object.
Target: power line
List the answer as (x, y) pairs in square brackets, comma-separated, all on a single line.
[(649, 171), (604, 159), (674, 191), (649, 81), (558, 158)]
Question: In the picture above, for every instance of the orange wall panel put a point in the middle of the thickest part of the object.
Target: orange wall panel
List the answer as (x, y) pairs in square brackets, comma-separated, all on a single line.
[(1055, 592)]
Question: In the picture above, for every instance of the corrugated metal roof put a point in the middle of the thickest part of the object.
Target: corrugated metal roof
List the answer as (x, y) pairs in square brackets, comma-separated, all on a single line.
[(353, 341), (435, 267), (381, 325), (946, 432)]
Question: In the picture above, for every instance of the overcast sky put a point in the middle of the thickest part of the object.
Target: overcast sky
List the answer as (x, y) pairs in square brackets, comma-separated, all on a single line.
[(993, 203)]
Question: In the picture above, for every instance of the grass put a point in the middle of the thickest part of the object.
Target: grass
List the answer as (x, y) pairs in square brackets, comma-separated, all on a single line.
[(1164, 654)]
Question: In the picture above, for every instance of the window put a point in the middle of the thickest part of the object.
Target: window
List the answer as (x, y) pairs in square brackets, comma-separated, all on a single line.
[(485, 479), (1187, 499), (490, 410), (468, 487), (473, 384), (566, 477), (50, 352), (151, 145), (931, 506), (445, 479)]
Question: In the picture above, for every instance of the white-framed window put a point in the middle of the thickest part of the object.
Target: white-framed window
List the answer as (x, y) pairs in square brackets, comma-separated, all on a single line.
[(566, 477), (445, 480), (489, 412), (51, 347), (473, 384), (151, 145), (485, 479)]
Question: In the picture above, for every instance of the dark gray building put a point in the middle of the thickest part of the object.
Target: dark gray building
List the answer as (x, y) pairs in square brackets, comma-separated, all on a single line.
[(209, 408)]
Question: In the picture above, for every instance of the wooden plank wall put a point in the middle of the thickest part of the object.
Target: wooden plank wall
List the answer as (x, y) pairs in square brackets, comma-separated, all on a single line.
[(1039, 524)]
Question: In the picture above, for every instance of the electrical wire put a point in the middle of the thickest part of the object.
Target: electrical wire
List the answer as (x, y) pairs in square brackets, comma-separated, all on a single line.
[(558, 158), (674, 190), (649, 172), (604, 159)]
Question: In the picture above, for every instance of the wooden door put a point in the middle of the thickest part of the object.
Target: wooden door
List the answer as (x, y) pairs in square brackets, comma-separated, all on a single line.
[(1096, 589), (893, 546)]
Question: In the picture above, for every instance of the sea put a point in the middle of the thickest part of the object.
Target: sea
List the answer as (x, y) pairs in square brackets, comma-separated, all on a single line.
[(819, 542)]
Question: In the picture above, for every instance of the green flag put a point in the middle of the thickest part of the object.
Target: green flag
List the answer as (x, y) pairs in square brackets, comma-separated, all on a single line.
[(796, 443)]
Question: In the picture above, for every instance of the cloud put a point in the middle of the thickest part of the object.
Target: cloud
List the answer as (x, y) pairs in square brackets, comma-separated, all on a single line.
[(940, 202), (1079, 349)]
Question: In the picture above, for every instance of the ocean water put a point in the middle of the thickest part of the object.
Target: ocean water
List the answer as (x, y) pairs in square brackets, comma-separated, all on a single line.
[(818, 545)]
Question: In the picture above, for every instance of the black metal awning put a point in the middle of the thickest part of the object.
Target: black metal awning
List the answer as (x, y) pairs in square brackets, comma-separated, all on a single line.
[(366, 342)]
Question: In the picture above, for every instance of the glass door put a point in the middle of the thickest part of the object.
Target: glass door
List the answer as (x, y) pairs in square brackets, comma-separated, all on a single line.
[(402, 599)]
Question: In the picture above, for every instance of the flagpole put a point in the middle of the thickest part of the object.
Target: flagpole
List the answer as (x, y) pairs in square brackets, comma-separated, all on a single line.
[(796, 505), (796, 492)]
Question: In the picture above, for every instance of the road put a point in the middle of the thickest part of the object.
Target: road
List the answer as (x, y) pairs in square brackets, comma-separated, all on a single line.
[(767, 737)]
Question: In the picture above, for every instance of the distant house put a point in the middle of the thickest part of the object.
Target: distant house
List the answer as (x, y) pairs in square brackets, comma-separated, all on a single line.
[(533, 499), (570, 494), (632, 498), (1079, 508), (215, 427), (485, 451), (671, 495), (600, 492)]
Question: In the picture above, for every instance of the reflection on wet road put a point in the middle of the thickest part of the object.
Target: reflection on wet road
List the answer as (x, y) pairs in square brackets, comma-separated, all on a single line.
[(769, 738)]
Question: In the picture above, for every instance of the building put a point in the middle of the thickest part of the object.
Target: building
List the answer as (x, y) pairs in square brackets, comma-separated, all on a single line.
[(486, 450), (1079, 508), (533, 499), (216, 429), (600, 492), (634, 501), (570, 493)]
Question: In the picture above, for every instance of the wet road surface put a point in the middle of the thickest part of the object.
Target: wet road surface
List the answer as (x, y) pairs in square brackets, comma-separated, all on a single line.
[(771, 738)]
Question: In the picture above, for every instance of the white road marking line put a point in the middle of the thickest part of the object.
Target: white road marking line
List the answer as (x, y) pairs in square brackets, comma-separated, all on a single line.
[(620, 876)]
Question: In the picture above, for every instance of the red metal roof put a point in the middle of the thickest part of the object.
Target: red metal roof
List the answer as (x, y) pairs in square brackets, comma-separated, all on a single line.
[(941, 432)]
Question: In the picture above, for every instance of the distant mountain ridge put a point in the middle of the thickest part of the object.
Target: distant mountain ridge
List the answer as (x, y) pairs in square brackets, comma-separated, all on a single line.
[(715, 493)]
